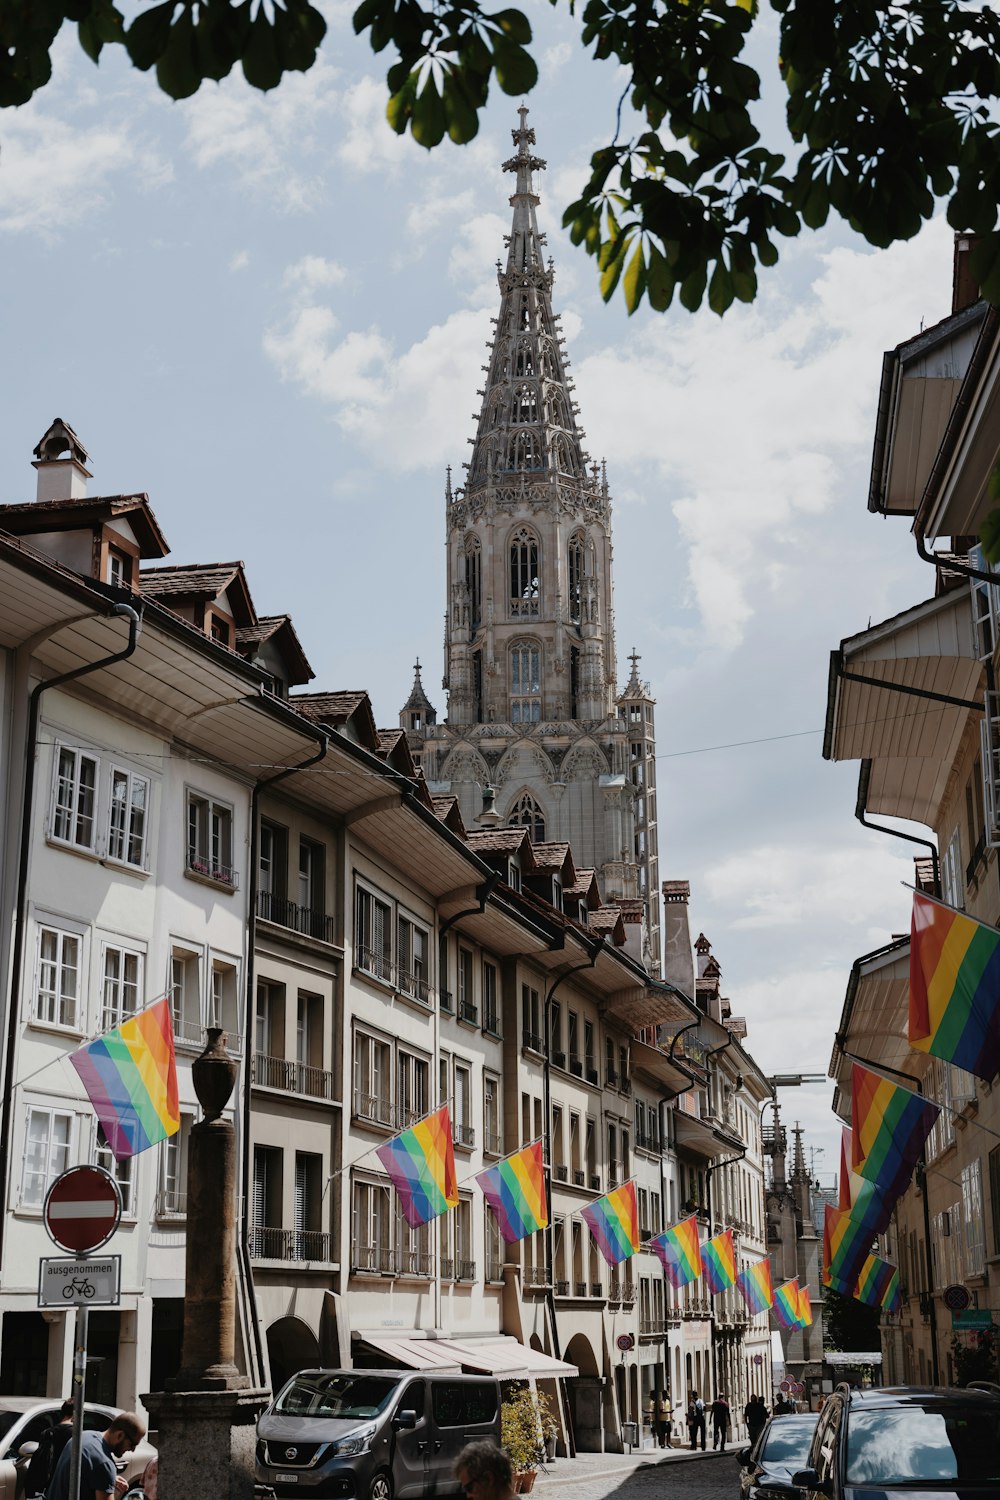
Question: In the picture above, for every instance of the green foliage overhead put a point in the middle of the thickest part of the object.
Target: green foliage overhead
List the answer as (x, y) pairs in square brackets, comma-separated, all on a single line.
[(891, 107)]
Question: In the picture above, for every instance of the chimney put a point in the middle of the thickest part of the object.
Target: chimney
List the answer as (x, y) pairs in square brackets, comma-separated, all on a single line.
[(964, 286), (678, 967), (60, 460), (489, 817)]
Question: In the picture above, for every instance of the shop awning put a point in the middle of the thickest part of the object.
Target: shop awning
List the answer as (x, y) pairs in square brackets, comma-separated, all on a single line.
[(416, 1354), (506, 1357)]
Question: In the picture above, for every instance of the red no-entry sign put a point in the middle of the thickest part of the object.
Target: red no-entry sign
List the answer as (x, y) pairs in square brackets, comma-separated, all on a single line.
[(83, 1208)]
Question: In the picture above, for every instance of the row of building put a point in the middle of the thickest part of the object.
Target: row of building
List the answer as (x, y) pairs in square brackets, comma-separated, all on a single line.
[(465, 911), (914, 700)]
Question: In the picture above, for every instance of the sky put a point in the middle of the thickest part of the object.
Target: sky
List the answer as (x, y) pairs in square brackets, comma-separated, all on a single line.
[(270, 313)]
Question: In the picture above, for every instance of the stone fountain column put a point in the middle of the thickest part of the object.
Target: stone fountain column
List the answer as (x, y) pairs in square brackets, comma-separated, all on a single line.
[(205, 1423)]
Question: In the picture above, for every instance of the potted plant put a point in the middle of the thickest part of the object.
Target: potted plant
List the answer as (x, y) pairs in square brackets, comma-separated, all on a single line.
[(526, 1425)]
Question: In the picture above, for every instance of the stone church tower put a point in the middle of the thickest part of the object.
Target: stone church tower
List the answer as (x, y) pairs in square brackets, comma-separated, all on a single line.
[(530, 664)]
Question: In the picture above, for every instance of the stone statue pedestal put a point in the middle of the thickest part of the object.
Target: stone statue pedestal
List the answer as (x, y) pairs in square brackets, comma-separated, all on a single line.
[(206, 1441)]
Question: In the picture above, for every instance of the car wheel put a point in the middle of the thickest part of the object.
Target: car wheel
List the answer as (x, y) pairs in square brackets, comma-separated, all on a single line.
[(380, 1487)]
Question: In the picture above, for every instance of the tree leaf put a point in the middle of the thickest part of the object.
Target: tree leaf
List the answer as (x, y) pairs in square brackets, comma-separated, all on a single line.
[(634, 280)]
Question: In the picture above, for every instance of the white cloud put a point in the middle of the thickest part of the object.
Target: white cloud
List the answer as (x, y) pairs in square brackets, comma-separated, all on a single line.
[(554, 59), (311, 274), (787, 886), (400, 407), (370, 145), (272, 140), (56, 173), (240, 260)]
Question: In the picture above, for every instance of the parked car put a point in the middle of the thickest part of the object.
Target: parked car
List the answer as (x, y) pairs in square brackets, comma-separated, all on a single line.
[(767, 1466), (23, 1419), (910, 1441), (373, 1434)]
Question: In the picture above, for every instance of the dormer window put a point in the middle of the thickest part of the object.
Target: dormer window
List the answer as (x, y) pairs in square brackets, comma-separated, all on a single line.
[(119, 569), (514, 876), (219, 630)]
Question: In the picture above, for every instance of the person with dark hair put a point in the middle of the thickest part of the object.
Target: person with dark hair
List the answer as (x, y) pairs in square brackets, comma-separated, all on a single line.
[(720, 1421), (485, 1471), (755, 1413), (42, 1463), (99, 1478)]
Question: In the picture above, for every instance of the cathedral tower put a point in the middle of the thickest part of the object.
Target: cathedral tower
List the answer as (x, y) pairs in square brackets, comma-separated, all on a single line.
[(530, 664)]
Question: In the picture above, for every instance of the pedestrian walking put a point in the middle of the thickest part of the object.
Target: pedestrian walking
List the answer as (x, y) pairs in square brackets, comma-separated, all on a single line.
[(755, 1415), (697, 1425), (99, 1478), (42, 1463), (720, 1421)]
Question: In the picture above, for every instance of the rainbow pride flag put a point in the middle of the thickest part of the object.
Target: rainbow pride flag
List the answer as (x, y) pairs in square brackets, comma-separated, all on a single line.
[(786, 1304), (889, 1127), (515, 1191), (842, 1283), (614, 1222), (421, 1163), (875, 1281), (130, 1075), (718, 1262), (845, 1186), (892, 1298), (805, 1308), (679, 1251), (754, 1286), (954, 987), (847, 1243)]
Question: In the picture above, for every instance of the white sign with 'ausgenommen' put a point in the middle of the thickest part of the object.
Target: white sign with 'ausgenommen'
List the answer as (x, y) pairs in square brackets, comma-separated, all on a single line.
[(65, 1281)]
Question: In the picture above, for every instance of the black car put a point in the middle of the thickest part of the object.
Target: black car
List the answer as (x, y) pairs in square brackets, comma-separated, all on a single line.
[(766, 1468), (903, 1443)]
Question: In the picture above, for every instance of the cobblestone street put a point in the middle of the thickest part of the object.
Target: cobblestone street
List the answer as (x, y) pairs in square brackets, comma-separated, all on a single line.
[(595, 1476)]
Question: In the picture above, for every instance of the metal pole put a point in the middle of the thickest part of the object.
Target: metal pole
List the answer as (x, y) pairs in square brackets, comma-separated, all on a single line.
[(79, 1394)]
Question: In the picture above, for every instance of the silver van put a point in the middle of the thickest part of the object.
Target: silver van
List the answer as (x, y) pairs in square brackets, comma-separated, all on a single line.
[(373, 1434)]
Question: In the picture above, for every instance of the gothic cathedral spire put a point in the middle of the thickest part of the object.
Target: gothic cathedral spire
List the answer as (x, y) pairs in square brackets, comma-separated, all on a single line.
[(529, 629)]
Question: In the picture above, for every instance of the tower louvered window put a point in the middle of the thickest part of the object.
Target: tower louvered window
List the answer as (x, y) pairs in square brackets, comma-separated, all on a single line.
[(474, 581), (526, 813), (524, 581), (525, 685), (575, 560)]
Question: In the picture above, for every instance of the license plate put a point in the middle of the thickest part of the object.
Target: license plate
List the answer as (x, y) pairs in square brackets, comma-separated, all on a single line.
[(287, 1478)]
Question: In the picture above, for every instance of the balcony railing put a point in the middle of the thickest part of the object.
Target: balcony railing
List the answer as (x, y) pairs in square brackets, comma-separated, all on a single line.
[(414, 985), (209, 870), (374, 961), (464, 1135), (491, 1020), (446, 1001), (289, 1244), (628, 1291), (596, 1289), (302, 919), (649, 1327), (492, 1142), (579, 1177), (532, 1041), (595, 1181), (562, 1288), (447, 1268), (292, 1077), (581, 1288), (562, 1173), (373, 1260), (614, 1291), (536, 1276), (469, 1012), (494, 1270), (466, 1270), (187, 1033), (171, 1204), (374, 1108), (416, 1263), (576, 1065), (523, 608)]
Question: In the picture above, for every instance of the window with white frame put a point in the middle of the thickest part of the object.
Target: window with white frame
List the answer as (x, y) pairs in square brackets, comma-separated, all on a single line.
[(493, 1135), (185, 996), (494, 1246), (171, 1198), (491, 1011), (210, 839), (952, 874), (972, 1203), (412, 1088), (464, 1130), (466, 995), (465, 1254), (531, 1014), (48, 1141), (57, 992), (372, 1078), (373, 935), (412, 967), (121, 986), (223, 1002), (414, 1250), (372, 1229), (74, 806), (127, 818), (121, 1171)]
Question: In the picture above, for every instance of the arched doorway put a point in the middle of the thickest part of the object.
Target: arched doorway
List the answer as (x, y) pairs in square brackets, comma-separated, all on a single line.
[(291, 1346), (586, 1396)]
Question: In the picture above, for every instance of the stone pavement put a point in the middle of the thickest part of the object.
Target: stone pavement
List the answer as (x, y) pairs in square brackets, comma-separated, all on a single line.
[(588, 1467)]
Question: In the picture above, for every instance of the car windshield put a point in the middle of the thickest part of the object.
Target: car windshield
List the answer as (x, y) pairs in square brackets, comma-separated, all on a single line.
[(7, 1420), (788, 1441), (336, 1395), (928, 1444)]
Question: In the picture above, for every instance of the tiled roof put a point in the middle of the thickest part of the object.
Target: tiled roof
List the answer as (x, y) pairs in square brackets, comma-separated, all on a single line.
[(336, 709), (205, 580), (448, 810), (551, 856), (509, 840), (267, 628), (389, 738), (81, 510), (606, 919)]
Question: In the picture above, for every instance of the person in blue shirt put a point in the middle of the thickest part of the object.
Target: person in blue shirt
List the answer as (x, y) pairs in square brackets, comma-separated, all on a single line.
[(99, 1478)]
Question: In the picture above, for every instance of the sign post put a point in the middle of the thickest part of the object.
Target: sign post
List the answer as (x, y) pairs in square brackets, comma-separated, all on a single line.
[(83, 1208)]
